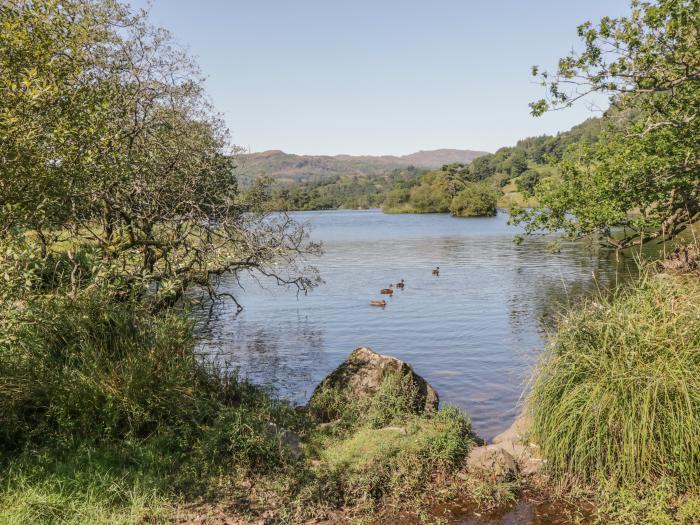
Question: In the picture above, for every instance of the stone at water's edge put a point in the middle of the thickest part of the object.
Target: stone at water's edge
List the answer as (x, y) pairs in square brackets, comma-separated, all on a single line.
[(494, 462), (364, 370), (517, 432), (511, 445)]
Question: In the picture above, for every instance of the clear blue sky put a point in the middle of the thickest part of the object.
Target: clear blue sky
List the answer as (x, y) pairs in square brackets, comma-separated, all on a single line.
[(379, 77)]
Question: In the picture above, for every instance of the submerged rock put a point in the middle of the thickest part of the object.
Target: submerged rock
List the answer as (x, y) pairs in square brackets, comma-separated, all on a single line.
[(363, 372)]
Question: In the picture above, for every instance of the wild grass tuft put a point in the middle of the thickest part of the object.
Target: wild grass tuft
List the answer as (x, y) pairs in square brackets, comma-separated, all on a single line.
[(96, 485), (617, 395)]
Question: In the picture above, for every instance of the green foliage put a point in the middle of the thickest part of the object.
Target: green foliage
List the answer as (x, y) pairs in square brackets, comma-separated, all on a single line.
[(411, 190), (659, 504), (482, 168), (517, 162), (396, 398), (349, 191), (475, 200), (429, 198), (644, 174), (85, 368), (384, 449), (448, 189), (395, 464), (617, 395), (90, 157), (527, 181)]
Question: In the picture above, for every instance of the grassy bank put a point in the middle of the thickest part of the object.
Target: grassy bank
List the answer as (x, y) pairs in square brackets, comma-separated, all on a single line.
[(107, 416), (616, 402)]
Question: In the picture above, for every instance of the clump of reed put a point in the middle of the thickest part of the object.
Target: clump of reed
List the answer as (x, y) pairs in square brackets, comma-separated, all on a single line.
[(616, 396)]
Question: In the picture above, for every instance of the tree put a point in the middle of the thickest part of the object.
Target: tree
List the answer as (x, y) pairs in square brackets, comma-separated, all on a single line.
[(643, 174), (527, 182), (396, 198), (429, 199), (477, 199), (517, 162), (108, 142), (481, 168)]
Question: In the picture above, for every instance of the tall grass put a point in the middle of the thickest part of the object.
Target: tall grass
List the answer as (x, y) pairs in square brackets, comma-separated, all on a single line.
[(96, 485), (617, 394), (88, 369)]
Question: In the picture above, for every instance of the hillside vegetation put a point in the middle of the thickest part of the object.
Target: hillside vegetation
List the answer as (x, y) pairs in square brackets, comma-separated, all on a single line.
[(512, 172)]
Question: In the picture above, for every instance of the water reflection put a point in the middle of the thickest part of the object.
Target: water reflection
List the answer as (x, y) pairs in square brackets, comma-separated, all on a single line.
[(473, 332)]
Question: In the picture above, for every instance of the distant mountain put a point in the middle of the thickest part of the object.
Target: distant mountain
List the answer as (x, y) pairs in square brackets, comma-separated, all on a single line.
[(297, 168), (439, 157)]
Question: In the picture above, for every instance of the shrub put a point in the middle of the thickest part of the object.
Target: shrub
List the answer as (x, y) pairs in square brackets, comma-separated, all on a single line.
[(617, 395), (87, 369), (475, 200)]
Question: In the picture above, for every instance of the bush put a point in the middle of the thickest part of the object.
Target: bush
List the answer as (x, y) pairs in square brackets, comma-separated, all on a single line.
[(617, 395), (87, 369), (475, 200)]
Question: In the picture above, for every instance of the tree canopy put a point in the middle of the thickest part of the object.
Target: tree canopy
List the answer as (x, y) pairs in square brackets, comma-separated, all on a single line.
[(109, 146), (641, 180)]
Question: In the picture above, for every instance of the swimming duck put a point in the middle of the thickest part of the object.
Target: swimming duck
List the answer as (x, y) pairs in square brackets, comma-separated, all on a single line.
[(436, 271), (387, 291), (381, 303), (400, 284)]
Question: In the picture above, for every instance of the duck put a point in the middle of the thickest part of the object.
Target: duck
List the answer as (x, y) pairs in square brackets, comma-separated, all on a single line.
[(400, 284), (436, 271), (387, 291), (381, 303)]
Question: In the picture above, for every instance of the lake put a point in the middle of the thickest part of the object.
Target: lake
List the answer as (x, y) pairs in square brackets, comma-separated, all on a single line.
[(474, 332)]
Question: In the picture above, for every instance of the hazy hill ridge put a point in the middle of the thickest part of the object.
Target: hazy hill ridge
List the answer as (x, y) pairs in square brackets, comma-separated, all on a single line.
[(288, 166)]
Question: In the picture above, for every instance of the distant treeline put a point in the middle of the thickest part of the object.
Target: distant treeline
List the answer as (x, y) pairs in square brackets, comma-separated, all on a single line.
[(340, 191), (505, 177)]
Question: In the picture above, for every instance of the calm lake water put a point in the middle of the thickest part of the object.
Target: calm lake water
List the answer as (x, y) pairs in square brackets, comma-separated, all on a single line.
[(474, 332)]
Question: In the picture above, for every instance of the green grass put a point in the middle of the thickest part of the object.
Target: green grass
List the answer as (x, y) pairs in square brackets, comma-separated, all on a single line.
[(617, 396), (108, 416), (394, 466), (93, 485)]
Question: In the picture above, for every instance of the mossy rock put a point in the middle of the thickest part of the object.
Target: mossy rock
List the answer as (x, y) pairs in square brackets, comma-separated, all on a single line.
[(362, 374)]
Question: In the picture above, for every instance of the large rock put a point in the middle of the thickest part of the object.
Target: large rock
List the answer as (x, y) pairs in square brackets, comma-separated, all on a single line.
[(363, 372), (683, 259)]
